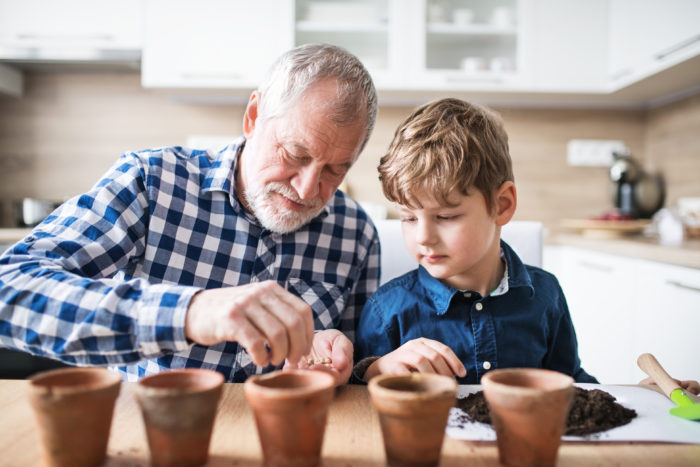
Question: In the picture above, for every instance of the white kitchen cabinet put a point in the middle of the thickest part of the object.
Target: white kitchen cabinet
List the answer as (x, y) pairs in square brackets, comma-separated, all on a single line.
[(569, 41), (647, 36), (423, 44), (622, 307), (472, 42), (70, 29), (600, 290), (369, 29), (213, 43), (668, 324)]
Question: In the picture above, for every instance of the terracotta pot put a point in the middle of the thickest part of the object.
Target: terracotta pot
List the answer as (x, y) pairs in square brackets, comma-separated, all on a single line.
[(73, 409), (179, 408), (528, 409), (290, 409), (413, 412)]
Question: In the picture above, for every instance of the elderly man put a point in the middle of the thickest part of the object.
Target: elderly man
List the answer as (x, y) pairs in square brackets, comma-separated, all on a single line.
[(238, 261)]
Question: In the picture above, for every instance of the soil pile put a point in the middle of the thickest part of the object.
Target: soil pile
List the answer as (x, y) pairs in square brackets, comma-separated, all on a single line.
[(592, 411)]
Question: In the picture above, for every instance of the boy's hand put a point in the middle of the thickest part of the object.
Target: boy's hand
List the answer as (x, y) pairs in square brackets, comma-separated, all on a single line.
[(419, 355), (688, 385)]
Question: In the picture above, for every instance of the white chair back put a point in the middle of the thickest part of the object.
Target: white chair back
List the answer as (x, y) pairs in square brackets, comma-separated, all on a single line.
[(525, 237)]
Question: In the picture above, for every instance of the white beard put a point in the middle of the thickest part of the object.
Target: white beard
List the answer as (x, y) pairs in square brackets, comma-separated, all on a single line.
[(274, 217)]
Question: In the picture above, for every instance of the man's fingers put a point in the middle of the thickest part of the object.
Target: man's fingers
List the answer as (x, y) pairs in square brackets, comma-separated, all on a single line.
[(297, 316), (252, 340), (274, 332)]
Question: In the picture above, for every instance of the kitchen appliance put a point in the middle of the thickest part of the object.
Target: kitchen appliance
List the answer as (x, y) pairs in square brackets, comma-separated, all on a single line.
[(26, 212), (687, 408), (636, 193)]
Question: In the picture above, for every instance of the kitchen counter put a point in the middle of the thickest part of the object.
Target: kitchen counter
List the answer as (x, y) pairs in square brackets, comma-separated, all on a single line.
[(638, 246), (353, 436), (8, 236)]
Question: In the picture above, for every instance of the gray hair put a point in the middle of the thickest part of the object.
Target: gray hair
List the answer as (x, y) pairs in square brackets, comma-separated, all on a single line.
[(299, 68)]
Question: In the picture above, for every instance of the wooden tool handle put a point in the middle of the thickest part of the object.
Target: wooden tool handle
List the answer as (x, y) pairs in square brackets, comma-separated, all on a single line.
[(649, 365)]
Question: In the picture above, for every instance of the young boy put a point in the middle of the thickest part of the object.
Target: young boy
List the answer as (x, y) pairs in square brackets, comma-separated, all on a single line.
[(472, 305)]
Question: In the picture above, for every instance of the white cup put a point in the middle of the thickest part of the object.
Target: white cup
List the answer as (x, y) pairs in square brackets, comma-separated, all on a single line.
[(501, 65), (463, 16), (473, 64), (502, 17), (436, 14)]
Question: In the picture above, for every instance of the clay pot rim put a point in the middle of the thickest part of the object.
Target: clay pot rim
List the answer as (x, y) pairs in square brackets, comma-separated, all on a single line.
[(157, 384), (320, 382), (556, 381), (47, 382), (444, 386)]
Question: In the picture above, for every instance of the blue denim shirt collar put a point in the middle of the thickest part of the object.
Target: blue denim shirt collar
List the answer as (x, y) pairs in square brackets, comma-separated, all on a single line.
[(442, 294)]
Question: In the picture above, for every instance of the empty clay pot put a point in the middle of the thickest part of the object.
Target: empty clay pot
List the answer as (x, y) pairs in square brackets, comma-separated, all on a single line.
[(413, 412), (179, 409), (528, 411), (73, 409), (291, 409)]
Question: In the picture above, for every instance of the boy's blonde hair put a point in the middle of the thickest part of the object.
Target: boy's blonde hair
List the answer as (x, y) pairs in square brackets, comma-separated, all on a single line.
[(445, 145)]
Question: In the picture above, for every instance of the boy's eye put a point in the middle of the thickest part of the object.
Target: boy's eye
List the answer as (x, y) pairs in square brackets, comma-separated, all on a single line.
[(407, 219), (445, 218)]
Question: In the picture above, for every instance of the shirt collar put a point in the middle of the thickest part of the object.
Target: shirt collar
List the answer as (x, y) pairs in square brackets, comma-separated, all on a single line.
[(221, 176), (515, 275)]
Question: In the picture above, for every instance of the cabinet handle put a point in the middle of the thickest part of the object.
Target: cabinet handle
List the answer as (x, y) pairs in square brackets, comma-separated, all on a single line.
[(28, 36), (597, 267), (681, 285), (191, 76), (473, 79), (677, 47), (621, 74)]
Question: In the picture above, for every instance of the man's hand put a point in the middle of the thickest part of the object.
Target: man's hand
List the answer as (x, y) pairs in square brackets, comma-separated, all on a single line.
[(332, 347), (254, 315), (418, 355)]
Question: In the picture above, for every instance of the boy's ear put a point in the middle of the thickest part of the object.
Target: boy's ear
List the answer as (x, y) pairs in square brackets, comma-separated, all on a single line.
[(506, 201), (250, 116)]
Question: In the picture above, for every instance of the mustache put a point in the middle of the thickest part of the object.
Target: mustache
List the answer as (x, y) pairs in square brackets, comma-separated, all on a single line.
[(287, 192)]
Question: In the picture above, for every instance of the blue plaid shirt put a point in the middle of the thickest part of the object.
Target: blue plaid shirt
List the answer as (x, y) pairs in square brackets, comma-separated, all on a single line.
[(107, 278), (524, 322)]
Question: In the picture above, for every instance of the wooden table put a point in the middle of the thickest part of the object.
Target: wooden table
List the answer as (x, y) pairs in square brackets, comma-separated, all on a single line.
[(353, 436)]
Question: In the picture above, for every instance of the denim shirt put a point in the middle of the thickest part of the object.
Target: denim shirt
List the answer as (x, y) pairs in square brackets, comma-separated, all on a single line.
[(525, 322)]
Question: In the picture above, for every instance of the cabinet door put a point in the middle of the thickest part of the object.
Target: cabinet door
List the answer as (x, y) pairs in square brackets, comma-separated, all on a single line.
[(213, 43), (569, 49), (601, 291), (367, 28), (647, 36), (68, 28), (471, 44), (668, 322)]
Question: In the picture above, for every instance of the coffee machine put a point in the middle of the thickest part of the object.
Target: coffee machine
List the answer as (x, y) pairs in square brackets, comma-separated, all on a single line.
[(636, 193)]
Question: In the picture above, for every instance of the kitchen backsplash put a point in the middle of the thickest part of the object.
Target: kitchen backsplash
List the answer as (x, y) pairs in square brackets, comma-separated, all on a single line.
[(59, 138)]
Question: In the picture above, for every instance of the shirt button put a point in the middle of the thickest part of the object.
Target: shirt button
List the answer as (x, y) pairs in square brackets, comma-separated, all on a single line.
[(467, 294), (479, 306), (487, 365)]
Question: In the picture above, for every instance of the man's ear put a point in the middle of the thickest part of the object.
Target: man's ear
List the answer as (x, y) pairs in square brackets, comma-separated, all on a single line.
[(250, 117), (506, 200)]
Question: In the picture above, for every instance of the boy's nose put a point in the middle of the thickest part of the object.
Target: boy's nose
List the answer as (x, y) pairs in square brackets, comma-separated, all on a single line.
[(424, 234), (306, 182)]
